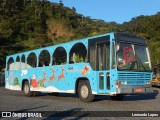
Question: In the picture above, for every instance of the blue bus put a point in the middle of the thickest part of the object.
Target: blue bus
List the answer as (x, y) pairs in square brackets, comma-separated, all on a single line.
[(114, 64)]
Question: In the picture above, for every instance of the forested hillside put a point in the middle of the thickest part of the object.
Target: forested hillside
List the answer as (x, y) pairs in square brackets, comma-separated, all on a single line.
[(148, 27), (30, 24)]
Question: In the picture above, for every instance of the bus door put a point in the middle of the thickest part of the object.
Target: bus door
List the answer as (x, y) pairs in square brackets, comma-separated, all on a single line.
[(103, 67)]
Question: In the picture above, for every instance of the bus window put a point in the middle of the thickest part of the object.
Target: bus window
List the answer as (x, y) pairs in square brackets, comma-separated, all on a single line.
[(31, 60), (103, 55), (92, 56), (59, 57), (95, 50), (23, 62), (113, 56), (10, 64), (78, 53), (18, 65), (44, 58)]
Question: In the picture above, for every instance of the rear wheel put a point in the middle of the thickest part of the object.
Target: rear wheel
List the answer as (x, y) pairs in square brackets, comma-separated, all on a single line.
[(26, 89), (84, 92), (117, 97)]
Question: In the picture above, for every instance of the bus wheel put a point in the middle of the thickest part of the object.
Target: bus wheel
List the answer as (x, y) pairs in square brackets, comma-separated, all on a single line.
[(117, 97), (84, 92), (26, 89)]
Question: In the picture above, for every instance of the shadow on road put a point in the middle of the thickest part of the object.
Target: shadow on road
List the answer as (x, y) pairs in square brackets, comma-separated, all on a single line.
[(31, 109), (103, 97), (72, 97), (130, 97), (75, 114), (141, 97)]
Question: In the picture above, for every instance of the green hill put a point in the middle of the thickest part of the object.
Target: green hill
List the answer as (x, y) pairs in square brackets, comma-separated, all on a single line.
[(148, 27)]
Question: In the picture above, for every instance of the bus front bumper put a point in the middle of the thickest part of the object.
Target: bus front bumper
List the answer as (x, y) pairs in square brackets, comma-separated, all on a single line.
[(128, 90)]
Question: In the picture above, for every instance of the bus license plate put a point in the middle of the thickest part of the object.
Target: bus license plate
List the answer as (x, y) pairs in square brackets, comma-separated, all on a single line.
[(138, 89)]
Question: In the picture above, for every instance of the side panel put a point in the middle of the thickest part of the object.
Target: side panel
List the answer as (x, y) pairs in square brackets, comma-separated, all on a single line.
[(56, 78), (59, 78)]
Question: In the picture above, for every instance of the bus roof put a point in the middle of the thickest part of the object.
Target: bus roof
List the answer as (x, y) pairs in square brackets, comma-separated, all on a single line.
[(129, 38)]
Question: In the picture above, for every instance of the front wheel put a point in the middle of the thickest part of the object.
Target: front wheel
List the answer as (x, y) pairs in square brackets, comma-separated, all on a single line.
[(26, 89), (84, 91)]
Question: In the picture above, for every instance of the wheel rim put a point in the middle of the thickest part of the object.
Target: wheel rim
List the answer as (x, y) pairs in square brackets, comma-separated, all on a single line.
[(84, 91), (26, 89)]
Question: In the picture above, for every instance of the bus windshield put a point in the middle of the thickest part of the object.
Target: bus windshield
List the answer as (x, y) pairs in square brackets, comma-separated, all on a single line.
[(133, 57)]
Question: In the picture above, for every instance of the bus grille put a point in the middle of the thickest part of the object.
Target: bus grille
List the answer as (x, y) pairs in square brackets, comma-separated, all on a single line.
[(135, 78)]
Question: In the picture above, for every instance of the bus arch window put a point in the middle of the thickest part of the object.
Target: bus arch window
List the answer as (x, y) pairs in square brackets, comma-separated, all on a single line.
[(18, 64), (10, 64), (59, 56), (44, 58), (31, 60), (78, 53), (23, 64)]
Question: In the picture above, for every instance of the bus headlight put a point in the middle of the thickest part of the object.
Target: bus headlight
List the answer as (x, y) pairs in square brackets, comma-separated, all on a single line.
[(148, 83)]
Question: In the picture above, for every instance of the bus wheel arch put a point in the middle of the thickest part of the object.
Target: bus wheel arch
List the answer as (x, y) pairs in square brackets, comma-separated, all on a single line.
[(26, 88), (84, 90)]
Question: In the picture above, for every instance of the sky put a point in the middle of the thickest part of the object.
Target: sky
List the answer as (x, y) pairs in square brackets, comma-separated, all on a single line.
[(118, 11)]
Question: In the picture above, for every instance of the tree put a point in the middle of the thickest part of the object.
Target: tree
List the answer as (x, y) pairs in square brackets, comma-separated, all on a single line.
[(61, 3), (74, 9)]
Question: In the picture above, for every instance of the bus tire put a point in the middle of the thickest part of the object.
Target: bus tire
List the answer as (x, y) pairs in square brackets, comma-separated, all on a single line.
[(117, 97), (26, 89), (84, 92)]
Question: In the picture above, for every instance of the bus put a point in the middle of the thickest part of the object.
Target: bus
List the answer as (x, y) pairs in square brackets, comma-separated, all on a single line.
[(156, 76), (114, 64)]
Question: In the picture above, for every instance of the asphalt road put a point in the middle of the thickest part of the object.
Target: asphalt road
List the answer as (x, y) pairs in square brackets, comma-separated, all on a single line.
[(69, 105)]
